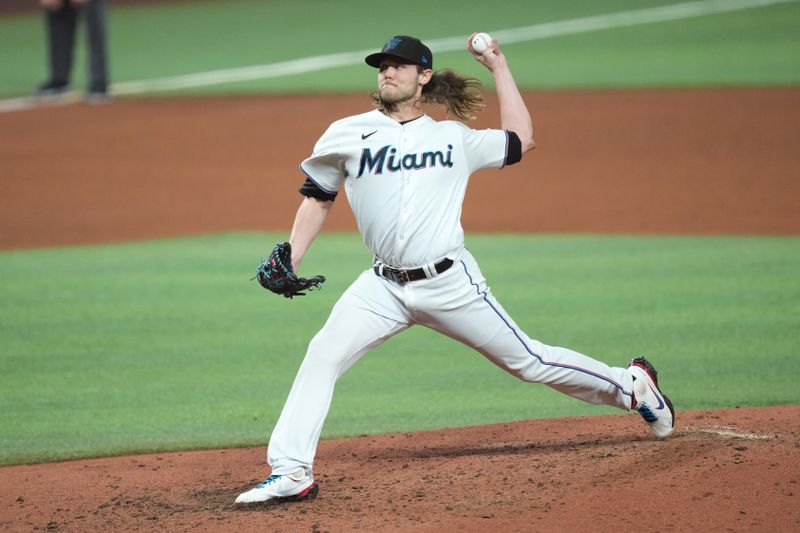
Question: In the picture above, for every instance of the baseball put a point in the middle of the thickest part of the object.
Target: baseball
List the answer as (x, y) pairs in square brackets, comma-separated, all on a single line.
[(480, 42)]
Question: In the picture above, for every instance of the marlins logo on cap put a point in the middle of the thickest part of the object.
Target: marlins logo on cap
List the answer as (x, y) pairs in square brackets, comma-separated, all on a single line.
[(394, 41), (405, 48)]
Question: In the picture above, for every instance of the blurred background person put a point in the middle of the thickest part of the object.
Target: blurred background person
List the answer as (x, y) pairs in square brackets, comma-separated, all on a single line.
[(61, 18)]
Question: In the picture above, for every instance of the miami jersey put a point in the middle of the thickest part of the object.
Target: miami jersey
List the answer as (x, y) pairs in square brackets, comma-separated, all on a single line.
[(405, 181)]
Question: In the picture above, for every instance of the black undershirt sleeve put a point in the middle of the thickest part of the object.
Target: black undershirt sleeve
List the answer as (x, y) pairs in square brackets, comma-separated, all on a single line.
[(312, 190), (514, 154)]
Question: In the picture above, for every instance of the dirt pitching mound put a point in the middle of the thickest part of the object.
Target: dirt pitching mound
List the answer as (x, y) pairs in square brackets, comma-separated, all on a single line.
[(731, 470)]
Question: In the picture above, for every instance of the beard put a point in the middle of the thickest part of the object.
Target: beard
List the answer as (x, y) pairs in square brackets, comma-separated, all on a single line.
[(392, 97)]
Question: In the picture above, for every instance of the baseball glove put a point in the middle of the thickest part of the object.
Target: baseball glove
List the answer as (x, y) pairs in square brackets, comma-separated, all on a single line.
[(276, 274)]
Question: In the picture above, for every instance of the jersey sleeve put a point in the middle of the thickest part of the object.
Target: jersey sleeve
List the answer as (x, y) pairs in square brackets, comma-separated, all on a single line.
[(486, 148), (325, 168)]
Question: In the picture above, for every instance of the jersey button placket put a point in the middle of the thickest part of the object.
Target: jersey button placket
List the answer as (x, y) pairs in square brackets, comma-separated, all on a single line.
[(408, 288), (405, 186)]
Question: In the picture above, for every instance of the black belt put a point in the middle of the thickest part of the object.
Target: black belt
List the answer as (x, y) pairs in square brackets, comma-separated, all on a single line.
[(400, 276)]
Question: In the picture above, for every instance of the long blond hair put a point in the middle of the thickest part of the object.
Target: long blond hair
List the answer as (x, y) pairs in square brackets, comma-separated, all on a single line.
[(461, 95)]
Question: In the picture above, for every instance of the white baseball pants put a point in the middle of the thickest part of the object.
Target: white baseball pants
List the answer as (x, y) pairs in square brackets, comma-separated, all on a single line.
[(458, 304)]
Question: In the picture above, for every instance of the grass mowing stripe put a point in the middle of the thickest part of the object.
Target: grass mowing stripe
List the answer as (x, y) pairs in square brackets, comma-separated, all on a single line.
[(168, 345)]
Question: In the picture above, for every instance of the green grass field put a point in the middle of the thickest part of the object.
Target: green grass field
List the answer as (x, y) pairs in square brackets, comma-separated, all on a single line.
[(168, 345), (758, 46)]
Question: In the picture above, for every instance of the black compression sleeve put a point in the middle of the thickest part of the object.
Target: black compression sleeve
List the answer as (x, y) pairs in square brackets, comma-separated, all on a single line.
[(514, 154), (311, 189)]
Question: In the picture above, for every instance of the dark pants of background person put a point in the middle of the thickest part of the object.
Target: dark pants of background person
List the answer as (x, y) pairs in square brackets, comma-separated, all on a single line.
[(61, 29)]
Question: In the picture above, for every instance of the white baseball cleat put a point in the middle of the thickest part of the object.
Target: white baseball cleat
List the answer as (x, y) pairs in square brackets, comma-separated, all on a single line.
[(648, 400), (296, 486)]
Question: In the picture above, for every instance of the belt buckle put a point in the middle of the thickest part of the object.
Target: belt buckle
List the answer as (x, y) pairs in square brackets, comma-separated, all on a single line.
[(402, 277)]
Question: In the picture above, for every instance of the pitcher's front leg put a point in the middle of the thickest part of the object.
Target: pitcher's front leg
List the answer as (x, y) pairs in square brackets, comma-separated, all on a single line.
[(353, 328)]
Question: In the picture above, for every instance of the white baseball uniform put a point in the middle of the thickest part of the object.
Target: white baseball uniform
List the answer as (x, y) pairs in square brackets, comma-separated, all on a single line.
[(406, 183)]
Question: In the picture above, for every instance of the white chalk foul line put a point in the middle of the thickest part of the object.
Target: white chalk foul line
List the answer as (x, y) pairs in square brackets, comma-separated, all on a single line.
[(448, 44), (28, 102), (16, 104)]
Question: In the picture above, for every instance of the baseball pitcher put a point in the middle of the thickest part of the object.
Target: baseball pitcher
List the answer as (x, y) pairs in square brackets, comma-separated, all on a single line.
[(406, 176)]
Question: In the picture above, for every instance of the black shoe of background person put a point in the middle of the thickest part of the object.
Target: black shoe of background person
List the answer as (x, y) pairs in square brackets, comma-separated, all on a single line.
[(51, 89), (97, 94)]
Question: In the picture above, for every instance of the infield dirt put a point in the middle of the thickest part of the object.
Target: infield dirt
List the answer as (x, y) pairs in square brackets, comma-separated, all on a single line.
[(656, 162)]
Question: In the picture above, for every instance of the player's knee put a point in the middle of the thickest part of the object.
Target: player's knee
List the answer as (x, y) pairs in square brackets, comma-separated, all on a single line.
[(325, 353)]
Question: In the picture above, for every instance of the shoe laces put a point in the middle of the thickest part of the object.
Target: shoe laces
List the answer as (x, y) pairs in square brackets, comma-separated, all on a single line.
[(269, 481)]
